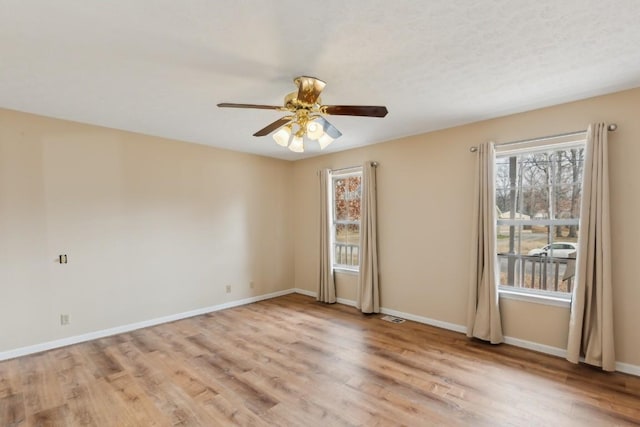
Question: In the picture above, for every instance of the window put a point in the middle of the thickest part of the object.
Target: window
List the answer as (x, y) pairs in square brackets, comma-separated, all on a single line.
[(346, 190), (538, 192)]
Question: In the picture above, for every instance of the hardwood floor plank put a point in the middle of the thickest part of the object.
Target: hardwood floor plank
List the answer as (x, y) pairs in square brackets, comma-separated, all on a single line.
[(291, 361), (52, 417), (74, 388), (255, 399), (12, 412), (10, 382), (174, 341), (113, 409), (40, 385), (143, 340), (197, 379), (102, 362), (151, 391), (182, 376), (229, 411)]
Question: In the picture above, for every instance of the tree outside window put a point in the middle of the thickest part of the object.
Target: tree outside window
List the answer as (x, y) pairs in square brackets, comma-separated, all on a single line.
[(346, 219), (538, 194)]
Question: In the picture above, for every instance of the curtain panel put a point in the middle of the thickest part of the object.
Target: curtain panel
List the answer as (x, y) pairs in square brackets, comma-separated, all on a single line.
[(368, 295), (591, 321), (483, 311), (326, 282)]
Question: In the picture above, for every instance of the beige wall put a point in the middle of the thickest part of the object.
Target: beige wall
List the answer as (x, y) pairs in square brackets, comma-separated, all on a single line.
[(151, 227), (155, 227), (425, 186)]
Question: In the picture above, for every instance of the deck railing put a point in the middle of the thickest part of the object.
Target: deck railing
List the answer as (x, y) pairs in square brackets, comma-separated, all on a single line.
[(346, 254), (537, 272), (519, 271)]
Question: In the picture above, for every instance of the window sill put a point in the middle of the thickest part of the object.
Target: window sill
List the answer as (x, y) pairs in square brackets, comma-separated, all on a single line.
[(557, 301), (343, 270)]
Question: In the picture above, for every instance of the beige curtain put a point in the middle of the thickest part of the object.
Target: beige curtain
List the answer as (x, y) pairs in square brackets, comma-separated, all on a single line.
[(368, 298), (483, 313), (591, 323), (326, 283)]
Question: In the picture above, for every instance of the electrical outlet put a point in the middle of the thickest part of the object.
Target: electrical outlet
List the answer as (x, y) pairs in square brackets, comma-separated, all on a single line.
[(228, 289), (251, 284), (64, 319)]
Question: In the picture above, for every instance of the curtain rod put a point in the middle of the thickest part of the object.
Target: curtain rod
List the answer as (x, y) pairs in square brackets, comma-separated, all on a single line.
[(612, 127), (374, 164)]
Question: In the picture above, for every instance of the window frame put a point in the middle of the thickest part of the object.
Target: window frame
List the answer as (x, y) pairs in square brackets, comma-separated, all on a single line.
[(541, 145), (334, 175)]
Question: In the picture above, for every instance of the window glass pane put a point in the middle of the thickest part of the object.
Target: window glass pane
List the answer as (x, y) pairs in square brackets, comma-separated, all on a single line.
[(567, 201), (567, 174), (569, 165), (346, 249), (503, 185), (340, 199), (341, 233), (353, 235), (535, 202), (542, 273), (522, 186), (503, 238), (538, 186), (522, 239), (534, 180), (348, 233), (353, 197), (346, 219), (537, 239)]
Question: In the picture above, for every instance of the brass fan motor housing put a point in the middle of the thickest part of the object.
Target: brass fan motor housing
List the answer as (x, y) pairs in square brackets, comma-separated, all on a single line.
[(292, 103)]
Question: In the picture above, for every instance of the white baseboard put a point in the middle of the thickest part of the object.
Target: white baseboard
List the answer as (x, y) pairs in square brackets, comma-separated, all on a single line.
[(541, 348), (315, 295), (419, 319), (37, 348), (305, 292), (23, 351), (627, 368), (425, 320), (345, 301)]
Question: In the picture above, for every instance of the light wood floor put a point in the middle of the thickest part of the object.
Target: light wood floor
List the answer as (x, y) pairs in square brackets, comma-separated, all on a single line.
[(293, 362)]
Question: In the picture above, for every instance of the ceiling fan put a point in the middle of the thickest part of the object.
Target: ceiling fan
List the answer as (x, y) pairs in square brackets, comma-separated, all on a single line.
[(306, 114)]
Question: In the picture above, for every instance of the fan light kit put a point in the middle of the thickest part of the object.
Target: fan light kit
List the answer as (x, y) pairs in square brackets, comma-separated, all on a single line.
[(305, 119)]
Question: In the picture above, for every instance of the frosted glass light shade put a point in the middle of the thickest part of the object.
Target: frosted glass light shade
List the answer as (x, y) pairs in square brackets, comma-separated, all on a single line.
[(296, 145), (314, 130), (282, 136), (324, 140)]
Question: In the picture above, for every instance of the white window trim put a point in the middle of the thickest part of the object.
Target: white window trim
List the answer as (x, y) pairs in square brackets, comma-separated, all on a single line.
[(536, 145), (345, 270), (516, 222), (342, 173), (528, 295), (542, 144)]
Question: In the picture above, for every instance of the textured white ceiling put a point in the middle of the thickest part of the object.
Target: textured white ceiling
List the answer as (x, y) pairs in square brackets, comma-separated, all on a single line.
[(159, 67)]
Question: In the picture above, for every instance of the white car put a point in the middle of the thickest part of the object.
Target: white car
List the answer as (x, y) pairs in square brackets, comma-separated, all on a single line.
[(557, 250)]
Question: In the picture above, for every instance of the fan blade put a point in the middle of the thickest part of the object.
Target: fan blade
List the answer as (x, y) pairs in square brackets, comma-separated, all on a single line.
[(309, 89), (261, 107), (273, 126), (355, 110), (328, 128)]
